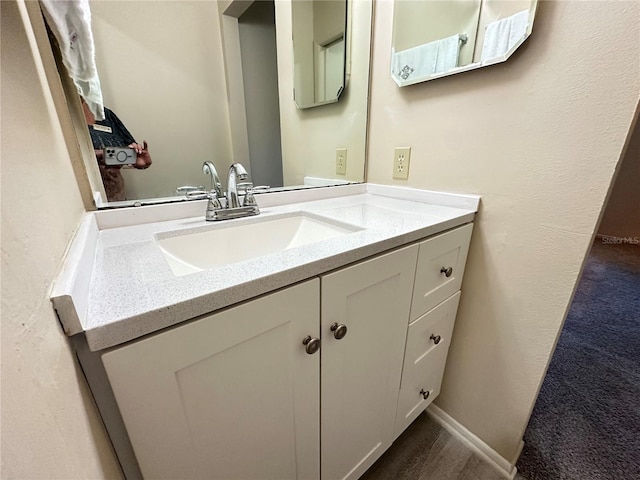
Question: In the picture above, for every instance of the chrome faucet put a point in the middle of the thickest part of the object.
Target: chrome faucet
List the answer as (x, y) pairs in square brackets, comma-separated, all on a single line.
[(232, 207), (236, 172)]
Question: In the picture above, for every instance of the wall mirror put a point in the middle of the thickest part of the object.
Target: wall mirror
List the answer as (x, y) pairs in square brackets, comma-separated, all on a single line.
[(437, 38), (212, 81), (319, 51)]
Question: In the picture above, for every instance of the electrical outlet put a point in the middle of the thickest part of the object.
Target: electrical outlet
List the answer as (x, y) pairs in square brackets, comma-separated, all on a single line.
[(401, 158), (341, 161)]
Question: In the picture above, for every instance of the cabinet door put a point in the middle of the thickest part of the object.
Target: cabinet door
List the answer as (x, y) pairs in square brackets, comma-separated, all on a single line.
[(428, 343), (233, 395), (360, 373), (440, 269)]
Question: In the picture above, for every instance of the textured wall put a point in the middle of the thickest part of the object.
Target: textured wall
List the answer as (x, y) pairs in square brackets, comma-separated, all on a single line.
[(539, 138), (50, 426)]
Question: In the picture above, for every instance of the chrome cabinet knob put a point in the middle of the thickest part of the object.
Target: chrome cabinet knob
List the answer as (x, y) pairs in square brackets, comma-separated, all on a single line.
[(424, 394), (339, 330), (436, 338), (312, 345), (447, 271)]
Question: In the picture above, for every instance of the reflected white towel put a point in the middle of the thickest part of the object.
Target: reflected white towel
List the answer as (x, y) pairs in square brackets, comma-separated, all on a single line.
[(500, 36), (448, 51), (70, 21), (427, 59), (415, 62)]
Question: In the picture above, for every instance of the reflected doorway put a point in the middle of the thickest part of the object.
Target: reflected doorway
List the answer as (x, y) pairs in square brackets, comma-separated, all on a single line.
[(257, 33)]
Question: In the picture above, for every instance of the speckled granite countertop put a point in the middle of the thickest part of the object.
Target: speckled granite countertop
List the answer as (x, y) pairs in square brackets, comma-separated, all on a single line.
[(128, 290)]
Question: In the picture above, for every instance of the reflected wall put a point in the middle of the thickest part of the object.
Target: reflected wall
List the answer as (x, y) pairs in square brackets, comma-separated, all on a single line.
[(310, 137), (162, 72)]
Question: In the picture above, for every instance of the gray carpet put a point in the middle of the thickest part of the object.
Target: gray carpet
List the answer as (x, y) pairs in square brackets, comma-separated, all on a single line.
[(586, 422)]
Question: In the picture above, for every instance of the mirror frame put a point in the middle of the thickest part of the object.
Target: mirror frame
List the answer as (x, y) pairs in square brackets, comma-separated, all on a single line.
[(346, 38)]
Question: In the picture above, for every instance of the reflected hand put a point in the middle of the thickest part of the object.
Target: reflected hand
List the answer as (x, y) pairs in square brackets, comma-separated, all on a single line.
[(143, 158)]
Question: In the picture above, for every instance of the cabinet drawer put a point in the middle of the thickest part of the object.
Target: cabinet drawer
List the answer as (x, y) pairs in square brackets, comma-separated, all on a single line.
[(424, 361), (436, 256)]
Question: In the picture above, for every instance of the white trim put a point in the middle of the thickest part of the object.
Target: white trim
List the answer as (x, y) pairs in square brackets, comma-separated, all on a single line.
[(519, 450), (454, 200), (475, 443), (70, 292), (323, 182)]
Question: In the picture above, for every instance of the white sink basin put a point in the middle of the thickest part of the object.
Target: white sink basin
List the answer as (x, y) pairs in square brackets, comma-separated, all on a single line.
[(233, 243)]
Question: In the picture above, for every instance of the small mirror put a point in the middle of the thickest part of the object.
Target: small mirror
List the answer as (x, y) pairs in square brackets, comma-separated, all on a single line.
[(437, 38), (319, 51)]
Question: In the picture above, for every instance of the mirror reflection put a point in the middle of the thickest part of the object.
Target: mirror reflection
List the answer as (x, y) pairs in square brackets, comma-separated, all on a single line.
[(436, 38), (166, 71), (319, 50)]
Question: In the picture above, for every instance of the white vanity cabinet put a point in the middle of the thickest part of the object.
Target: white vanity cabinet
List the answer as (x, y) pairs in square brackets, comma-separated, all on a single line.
[(360, 373), (233, 395), (436, 294), (428, 343), (239, 395)]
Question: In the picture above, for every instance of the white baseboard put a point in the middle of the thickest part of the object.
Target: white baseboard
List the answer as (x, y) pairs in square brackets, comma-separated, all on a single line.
[(475, 443)]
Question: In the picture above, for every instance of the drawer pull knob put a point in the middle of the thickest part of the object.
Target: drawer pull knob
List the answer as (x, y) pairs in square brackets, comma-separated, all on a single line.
[(339, 330), (436, 338), (424, 394), (447, 271), (312, 345)]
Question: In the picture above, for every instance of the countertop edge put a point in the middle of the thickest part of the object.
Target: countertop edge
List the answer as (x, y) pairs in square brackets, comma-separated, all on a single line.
[(135, 327), (70, 292)]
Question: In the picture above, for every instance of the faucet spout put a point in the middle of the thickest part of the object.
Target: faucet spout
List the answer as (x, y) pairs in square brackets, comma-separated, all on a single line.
[(236, 172), (209, 169)]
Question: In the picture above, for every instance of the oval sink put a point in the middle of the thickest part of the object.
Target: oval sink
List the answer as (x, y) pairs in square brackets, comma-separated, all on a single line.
[(226, 244)]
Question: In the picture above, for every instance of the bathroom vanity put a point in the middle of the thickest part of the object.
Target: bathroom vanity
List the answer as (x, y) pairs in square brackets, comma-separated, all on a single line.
[(303, 361)]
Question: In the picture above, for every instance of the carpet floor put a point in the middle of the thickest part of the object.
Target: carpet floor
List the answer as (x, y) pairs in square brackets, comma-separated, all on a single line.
[(586, 421)]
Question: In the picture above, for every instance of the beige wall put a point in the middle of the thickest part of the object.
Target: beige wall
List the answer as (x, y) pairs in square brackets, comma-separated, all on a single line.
[(310, 137), (162, 71), (50, 426), (621, 218), (328, 20), (543, 133)]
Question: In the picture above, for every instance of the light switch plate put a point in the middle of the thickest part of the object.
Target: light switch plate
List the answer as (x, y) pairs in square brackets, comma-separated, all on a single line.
[(401, 158), (341, 161)]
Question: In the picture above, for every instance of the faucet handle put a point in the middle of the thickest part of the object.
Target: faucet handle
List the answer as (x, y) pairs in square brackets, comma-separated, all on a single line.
[(184, 190), (214, 201), (249, 200), (243, 187), (212, 196), (197, 194)]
